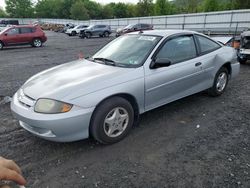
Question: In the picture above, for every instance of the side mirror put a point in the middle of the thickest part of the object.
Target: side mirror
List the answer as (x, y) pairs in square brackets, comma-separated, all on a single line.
[(135, 29), (160, 62), (5, 34)]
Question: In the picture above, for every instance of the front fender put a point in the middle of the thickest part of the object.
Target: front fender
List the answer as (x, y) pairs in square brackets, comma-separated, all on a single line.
[(134, 88)]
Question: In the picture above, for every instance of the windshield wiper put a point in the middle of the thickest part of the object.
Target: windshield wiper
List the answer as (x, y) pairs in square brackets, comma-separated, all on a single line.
[(106, 61)]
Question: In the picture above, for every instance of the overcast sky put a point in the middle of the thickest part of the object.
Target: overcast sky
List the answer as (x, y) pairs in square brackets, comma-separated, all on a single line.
[(2, 2)]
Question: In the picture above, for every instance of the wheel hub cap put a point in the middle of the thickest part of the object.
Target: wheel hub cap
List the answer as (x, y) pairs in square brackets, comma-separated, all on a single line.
[(37, 42), (221, 82), (116, 122)]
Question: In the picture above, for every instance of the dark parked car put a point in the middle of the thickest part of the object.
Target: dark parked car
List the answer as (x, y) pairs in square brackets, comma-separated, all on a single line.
[(96, 30), (134, 27), (21, 35), (9, 22)]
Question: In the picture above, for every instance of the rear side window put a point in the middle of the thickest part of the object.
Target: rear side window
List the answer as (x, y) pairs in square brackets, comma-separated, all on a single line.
[(178, 49), (145, 26), (207, 45), (24, 30)]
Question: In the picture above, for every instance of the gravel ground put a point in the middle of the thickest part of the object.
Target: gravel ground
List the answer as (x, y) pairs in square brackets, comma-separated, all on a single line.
[(198, 141)]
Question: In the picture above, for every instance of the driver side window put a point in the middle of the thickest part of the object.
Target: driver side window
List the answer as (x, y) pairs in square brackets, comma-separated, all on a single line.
[(178, 49)]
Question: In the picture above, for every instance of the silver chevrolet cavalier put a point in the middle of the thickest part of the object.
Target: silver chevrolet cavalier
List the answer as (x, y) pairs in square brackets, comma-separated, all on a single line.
[(104, 95)]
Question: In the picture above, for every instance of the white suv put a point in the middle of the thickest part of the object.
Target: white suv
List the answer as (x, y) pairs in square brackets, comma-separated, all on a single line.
[(76, 30)]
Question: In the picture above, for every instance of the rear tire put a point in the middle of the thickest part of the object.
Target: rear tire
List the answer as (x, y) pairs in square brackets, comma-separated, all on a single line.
[(112, 120), (1, 45), (73, 33), (106, 34), (37, 43), (220, 82)]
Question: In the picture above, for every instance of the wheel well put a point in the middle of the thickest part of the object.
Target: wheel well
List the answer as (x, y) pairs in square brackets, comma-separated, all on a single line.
[(2, 43), (131, 99), (36, 38), (228, 67)]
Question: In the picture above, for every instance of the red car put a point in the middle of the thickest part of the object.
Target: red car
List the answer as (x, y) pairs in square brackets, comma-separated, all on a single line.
[(22, 35)]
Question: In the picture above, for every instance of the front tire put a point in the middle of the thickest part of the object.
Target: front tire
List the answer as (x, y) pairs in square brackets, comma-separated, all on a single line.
[(220, 82), (112, 120), (88, 35), (37, 43), (73, 33), (242, 61)]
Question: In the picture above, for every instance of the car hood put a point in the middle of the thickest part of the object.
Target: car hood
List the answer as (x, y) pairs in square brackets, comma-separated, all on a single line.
[(76, 79)]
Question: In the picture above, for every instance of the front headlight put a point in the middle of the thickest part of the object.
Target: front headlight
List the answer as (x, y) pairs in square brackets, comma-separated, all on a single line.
[(49, 106)]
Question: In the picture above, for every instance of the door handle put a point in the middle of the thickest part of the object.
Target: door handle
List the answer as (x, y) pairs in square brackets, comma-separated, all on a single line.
[(198, 64)]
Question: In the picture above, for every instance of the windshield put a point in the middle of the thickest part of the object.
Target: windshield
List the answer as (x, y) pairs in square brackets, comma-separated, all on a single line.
[(4, 30), (90, 27), (128, 50), (128, 26)]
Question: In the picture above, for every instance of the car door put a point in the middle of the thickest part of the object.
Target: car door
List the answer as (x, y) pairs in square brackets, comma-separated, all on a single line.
[(183, 77), (95, 30), (25, 35), (208, 50), (11, 37)]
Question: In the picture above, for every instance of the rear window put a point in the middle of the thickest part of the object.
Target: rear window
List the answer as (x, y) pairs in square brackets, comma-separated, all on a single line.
[(24, 30), (207, 45)]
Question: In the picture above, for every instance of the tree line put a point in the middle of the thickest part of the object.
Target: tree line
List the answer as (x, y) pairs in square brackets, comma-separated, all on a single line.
[(87, 9)]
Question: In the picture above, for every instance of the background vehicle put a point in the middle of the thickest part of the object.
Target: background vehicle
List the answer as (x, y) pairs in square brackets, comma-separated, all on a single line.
[(244, 52), (21, 35), (134, 27), (76, 30), (229, 41), (9, 22), (104, 95), (96, 30)]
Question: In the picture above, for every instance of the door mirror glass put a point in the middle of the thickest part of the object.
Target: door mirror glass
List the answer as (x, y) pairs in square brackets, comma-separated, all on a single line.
[(160, 62)]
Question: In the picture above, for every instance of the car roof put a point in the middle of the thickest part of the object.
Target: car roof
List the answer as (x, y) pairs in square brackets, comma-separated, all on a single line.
[(164, 33)]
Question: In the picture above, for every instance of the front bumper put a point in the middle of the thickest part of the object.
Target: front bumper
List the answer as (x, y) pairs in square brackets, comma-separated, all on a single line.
[(64, 127)]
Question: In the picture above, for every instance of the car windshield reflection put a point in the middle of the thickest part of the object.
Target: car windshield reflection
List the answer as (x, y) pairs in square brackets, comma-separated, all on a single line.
[(128, 50)]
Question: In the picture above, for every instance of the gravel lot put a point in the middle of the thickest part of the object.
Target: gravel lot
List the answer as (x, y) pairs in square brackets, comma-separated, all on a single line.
[(198, 141)]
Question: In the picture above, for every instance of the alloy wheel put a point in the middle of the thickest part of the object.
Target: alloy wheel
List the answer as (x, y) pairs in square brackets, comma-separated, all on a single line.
[(116, 122)]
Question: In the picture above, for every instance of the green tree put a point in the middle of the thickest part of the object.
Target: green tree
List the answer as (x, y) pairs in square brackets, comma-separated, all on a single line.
[(44, 9), (211, 5), (131, 8), (188, 6), (94, 9), (163, 7), (78, 11), (53, 8), (145, 8), (120, 10), (241, 4), (19, 8), (2, 13), (107, 12)]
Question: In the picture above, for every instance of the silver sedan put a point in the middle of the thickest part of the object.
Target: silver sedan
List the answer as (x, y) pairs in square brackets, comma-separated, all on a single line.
[(104, 95)]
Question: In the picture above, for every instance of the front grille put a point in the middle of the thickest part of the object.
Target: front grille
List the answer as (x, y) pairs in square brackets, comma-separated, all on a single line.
[(25, 100)]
